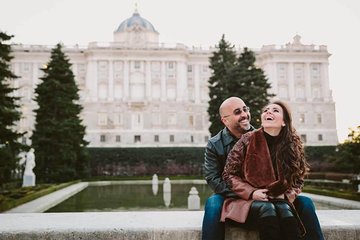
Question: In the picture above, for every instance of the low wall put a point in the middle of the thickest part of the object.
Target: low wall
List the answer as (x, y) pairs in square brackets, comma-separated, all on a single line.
[(164, 225), (27, 221)]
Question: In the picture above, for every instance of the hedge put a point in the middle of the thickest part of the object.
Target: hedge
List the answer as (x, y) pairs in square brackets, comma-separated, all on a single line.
[(146, 161), (174, 161)]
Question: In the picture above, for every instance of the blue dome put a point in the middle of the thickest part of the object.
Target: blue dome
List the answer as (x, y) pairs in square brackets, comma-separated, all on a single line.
[(135, 20)]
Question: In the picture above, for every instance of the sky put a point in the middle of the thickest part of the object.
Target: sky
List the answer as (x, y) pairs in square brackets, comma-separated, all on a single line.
[(334, 23)]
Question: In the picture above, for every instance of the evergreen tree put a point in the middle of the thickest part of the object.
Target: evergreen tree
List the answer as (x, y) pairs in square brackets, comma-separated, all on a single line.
[(9, 113), (220, 62), (58, 138), (347, 158), (249, 82)]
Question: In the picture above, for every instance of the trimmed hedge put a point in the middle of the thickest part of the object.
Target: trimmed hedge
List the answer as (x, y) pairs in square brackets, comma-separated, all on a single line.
[(172, 161), (146, 161)]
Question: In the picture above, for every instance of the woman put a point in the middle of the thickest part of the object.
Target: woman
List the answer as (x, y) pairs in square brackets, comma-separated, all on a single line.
[(265, 169)]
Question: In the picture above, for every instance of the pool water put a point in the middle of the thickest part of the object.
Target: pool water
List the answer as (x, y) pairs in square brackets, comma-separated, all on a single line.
[(127, 197), (139, 197)]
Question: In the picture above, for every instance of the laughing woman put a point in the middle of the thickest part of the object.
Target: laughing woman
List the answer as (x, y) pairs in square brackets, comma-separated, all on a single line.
[(266, 169)]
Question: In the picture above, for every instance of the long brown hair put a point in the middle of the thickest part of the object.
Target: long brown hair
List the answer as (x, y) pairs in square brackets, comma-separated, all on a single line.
[(289, 150)]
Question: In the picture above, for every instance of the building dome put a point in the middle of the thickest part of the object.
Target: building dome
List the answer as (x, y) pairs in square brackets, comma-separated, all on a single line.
[(135, 21)]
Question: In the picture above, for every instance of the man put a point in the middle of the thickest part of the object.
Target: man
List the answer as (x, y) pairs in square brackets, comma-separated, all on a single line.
[(235, 115)]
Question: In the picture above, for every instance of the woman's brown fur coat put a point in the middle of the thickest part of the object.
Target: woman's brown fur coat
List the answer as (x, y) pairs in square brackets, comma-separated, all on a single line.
[(248, 168)]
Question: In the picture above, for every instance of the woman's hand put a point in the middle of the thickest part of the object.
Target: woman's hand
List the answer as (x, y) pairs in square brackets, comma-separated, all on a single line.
[(260, 195), (292, 193)]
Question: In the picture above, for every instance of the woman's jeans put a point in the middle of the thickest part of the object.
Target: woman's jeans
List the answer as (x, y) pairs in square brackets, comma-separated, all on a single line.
[(213, 229)]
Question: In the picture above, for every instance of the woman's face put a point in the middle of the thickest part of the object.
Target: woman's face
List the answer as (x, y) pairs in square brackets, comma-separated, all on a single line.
[(272, 118)]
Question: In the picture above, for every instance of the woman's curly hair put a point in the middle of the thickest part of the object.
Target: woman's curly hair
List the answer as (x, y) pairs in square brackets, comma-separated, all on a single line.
[(290, 150)]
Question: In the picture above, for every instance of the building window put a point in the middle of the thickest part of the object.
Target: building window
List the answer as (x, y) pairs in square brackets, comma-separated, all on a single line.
[(172, 119), (172, 138), (26, 67), (118, 138), (118, 119), (319, 118), (102, 119), (137, 120), (156, 138), (192, 138), (118, 66), (189, 68), (205, 68), (170, 65), (137, 65), (303, 138), (102, 138), (320, 137), (302, 118), (191, 120), (156, 121), (137, 138)]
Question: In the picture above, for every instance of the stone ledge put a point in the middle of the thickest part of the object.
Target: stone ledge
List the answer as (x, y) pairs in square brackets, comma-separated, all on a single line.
[(165, 225)]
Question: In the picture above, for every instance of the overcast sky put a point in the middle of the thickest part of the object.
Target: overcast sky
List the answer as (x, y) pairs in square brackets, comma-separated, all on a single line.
[(335, 23)]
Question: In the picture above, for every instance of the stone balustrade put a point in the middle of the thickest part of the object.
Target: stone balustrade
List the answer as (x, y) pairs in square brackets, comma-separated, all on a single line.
[(164, 225), (27, 222)]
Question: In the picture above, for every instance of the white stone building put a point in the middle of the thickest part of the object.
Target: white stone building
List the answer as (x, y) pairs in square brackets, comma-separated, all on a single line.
[(137, 92)]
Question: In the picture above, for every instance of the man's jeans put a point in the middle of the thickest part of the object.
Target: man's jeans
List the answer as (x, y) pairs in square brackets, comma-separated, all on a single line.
[(213, 229)]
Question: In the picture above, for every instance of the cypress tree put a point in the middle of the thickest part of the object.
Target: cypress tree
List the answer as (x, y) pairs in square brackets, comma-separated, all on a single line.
[(58, 138), (9, 113), (220, 62), (249, 82)]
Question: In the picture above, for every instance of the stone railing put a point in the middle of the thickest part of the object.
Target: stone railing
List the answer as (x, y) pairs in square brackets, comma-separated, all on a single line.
[(27, 221), (164, 225)]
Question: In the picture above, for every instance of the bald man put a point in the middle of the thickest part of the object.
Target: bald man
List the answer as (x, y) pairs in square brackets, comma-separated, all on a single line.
[(235, 115)]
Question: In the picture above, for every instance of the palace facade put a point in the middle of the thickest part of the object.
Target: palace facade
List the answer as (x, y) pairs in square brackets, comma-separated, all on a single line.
[(138, 92)]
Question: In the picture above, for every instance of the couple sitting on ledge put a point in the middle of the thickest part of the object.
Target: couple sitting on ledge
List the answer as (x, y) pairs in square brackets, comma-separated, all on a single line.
[(257, 176)]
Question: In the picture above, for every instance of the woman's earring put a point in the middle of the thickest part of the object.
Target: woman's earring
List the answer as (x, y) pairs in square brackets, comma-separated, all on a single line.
[(283, 125)]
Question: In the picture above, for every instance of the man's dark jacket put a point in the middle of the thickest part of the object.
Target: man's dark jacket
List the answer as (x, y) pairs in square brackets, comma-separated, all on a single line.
[(216, 153)]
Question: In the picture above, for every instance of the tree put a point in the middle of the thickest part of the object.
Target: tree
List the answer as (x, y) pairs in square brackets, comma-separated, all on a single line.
[(236, 76), (220, 62), (9, 113), (58, 137), (249, 82), (347, 158)]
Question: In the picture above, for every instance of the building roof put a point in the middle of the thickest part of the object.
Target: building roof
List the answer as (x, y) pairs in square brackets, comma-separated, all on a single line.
[(135, 20)]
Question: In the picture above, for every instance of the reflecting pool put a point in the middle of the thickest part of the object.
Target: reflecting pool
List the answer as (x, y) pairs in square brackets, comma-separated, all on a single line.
[(128, 196)]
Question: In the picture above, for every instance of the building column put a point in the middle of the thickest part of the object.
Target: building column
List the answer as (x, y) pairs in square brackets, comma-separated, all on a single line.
[(271, 72), (91, 80), (163, 81), (35, 77), (197, 83), (325, 88), (110, 91), (126, 80), (291, 86), (148, 95), (181, 77), (307, 79), (16, 71)]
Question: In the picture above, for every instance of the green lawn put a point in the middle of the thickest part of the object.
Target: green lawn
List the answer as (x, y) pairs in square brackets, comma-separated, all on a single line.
[(10, 198)]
